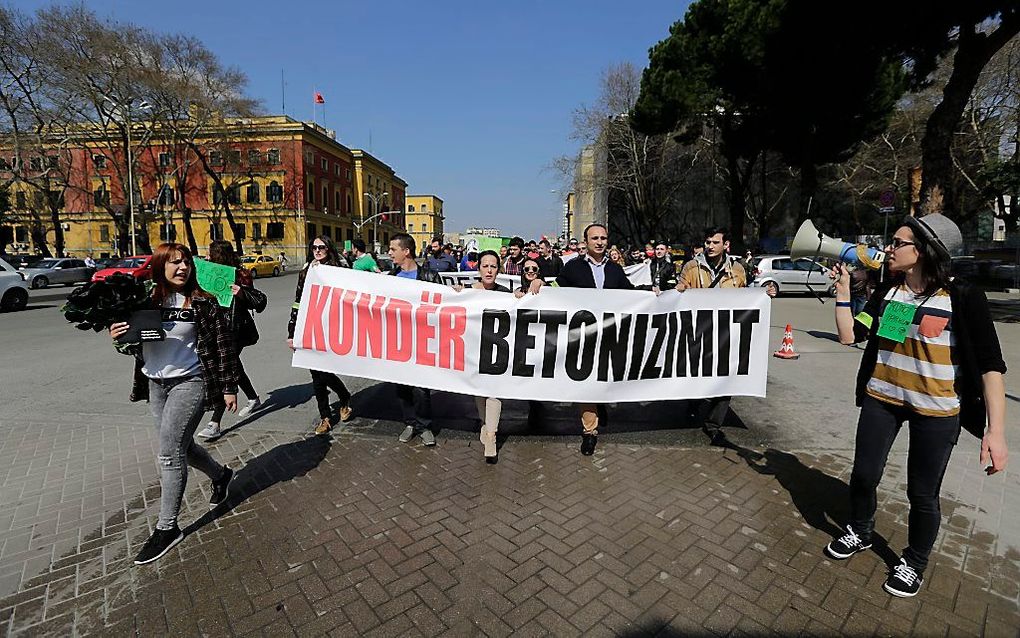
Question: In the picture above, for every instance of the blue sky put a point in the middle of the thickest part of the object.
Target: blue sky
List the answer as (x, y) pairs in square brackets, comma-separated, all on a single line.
[(469, 100)]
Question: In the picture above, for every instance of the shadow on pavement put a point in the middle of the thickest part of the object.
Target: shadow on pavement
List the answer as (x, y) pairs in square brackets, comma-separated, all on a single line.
[(279, 399), (457, 412), (821, 334), (278, 465), (823, 500)]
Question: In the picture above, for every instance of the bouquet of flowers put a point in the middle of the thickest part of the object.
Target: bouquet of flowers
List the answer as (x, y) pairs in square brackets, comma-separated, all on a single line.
[(96, 305)]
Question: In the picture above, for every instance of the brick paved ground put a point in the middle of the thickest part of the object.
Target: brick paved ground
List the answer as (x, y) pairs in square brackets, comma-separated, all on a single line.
[(363, 535)]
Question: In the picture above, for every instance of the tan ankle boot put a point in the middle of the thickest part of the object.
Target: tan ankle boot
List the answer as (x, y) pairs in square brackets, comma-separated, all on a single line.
[(488, 440)]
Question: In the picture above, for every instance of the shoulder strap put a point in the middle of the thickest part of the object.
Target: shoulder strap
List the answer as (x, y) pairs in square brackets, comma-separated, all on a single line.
[(718, 278)]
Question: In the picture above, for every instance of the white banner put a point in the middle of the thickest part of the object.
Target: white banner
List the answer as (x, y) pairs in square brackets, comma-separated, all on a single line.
[(639, 275), (564, 344)]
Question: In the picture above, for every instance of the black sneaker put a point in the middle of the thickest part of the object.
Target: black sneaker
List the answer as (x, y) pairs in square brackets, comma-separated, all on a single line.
[(904, 581), (161, 541), (847, 545), (221, 487)]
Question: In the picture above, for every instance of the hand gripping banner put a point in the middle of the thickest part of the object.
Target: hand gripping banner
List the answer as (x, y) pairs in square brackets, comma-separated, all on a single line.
[(563, 344)]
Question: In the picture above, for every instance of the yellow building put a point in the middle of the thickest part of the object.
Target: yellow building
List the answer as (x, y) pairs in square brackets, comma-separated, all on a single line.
[(378, 199), (424, 218)]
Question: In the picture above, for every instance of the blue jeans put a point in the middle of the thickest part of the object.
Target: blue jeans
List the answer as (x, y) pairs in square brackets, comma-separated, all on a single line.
[(177, 407)]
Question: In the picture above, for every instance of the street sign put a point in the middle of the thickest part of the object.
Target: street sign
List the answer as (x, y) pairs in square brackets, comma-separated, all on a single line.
[(887, 198), (885, 210)]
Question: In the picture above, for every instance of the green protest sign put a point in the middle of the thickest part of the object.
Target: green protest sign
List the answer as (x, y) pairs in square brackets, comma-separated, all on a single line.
[(896, 320), (489, 243), (216, 279), (348, 246)]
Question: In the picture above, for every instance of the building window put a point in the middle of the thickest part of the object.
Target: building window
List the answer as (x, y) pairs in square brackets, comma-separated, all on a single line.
[(215, 158), (35, 164), (253, 194), (410, 228), (424, 208), (234, 194), (273, 156), (239, 231), (254, 157), (274, 192), (336, 170), (311, 193), (215, 231), (163, 234), (274, 230), (99, 161), (410, 208), (310, 231), (217, 195), (325, 197), (347, 173), (424, 227), (51, 161), (234, 157), (325, 164), (101, 196), (350, 204), (20, 202), (4, 166), (104, 232), (336, 202), (164, 160), (256, 231), (166, 196)]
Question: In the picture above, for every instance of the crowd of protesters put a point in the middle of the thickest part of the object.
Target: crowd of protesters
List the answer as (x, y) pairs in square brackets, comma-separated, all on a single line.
[(929, 379)]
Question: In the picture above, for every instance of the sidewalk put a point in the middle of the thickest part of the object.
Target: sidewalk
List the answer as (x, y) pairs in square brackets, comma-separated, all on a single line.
[(363, 535)]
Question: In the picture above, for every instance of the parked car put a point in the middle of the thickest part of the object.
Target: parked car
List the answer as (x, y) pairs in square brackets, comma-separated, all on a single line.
[(791, 275), (23, 261), (261, 265), (57, 271), (13, 289), (106, 262), (137, 266)]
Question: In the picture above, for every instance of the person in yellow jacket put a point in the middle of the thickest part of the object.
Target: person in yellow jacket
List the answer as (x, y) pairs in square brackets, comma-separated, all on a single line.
[(714, 268)]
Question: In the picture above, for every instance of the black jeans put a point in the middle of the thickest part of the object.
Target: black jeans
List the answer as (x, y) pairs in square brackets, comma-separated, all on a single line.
[(322, 383), (932, 440)]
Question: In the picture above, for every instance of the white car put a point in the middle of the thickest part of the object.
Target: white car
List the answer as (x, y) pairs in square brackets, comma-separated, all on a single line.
[(791, 275), (13, 289)]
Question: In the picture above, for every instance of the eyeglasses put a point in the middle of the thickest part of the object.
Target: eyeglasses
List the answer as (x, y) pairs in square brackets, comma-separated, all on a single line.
[(531, 269), (898, 243), (317, 247)]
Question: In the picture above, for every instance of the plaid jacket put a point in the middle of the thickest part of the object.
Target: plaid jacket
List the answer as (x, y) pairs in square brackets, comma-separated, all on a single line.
[(216, 352)]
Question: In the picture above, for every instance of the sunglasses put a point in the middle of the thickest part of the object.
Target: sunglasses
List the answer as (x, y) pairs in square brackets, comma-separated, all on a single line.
[(897, 243), (531, 269), (318, 246)]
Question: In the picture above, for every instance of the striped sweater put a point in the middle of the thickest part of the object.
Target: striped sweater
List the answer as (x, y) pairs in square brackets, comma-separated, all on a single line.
[(921, 372)]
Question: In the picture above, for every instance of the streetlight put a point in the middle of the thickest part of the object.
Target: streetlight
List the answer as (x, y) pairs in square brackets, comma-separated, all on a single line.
[(125, 110), (375, 201)]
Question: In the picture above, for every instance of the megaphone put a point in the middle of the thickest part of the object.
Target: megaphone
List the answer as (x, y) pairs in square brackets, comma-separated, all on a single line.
[(809, 242)]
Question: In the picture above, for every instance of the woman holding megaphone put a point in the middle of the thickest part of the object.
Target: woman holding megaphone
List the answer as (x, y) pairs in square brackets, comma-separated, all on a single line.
[(932, 360)]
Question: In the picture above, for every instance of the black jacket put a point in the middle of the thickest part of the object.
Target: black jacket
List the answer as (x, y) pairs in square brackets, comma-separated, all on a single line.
[(549, 267), (663, 273), (576, 273), (977, 348)]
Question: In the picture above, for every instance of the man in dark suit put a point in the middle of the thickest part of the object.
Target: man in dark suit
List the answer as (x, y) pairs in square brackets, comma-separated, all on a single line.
[(593, 270)]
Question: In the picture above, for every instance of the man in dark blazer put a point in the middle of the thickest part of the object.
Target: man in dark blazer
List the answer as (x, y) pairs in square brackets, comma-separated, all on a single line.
[(593, 270)]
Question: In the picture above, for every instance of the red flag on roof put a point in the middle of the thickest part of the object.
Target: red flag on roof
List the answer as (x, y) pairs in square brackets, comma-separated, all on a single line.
[(319, 99)]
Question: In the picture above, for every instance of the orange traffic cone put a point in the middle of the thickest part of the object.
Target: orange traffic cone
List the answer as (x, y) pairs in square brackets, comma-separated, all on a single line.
[(786, 350)]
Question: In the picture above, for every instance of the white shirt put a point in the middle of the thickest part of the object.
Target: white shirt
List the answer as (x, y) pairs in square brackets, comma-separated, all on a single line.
[(598, 270), (177, 355)]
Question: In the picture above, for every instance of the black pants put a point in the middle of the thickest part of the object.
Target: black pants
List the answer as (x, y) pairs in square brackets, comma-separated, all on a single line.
[(931, 443), (712, 412), (322, 383)]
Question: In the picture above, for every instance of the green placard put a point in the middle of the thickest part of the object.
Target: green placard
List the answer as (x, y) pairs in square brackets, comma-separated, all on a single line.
[(896, 320), (489, 243), (216, 279), (348, 246)]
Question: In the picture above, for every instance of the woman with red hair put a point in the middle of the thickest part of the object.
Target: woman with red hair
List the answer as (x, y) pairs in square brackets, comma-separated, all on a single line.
[(189, 372)]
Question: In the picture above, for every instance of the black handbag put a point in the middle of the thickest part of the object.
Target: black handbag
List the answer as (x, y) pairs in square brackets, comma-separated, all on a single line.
[(245, 332)]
